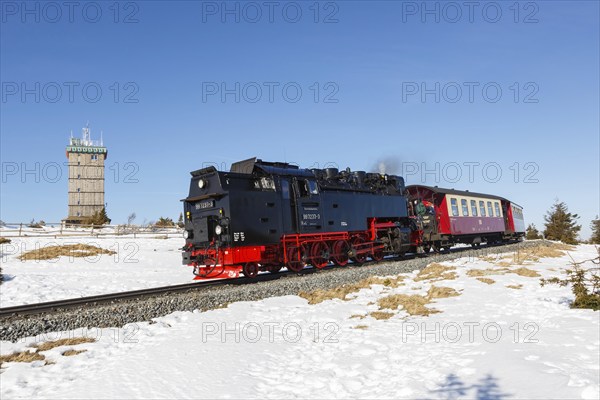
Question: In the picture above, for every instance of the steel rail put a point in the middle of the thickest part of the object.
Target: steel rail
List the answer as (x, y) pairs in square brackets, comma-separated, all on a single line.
[(52, 306)]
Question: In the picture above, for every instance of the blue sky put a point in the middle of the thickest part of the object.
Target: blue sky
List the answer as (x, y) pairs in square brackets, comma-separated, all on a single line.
[(379, 80)]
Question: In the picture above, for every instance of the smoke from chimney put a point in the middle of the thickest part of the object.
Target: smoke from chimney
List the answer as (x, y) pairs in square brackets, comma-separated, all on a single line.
[(387, 165)]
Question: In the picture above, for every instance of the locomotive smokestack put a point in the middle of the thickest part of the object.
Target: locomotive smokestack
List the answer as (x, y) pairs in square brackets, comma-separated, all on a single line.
[(332, 173)]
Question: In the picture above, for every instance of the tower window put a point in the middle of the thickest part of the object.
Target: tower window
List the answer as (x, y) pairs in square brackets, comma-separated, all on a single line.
[(78, 189), (94, 156)]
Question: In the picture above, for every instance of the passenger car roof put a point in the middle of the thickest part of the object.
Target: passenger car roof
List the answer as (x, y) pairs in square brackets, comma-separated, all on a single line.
[(465, 193)]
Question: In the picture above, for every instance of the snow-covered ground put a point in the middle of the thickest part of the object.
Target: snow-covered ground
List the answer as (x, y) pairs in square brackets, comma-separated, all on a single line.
[(490, 342), (138, 263)]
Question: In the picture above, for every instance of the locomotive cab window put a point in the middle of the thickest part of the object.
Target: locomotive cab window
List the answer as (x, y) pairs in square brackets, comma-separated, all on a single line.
[(473, 208), (307, 188), (267, 184), (454, 205), (312, 187), (465, 208)]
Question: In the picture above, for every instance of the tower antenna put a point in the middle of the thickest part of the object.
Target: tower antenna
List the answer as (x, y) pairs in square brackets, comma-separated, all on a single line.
[(86, 135)]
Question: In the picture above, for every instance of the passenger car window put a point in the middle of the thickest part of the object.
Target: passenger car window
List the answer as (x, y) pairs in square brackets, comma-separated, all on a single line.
[(454, 205), (490, 209), (482, 208), (465, 208), (473, 208), (497, 208)]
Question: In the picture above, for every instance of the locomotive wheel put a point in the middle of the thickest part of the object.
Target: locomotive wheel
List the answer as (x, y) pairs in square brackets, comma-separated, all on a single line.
[(436, 247), (319, 255), (250, 270), (358, 258), (426, 248), (340, 253), (296, 258), (377, 255)]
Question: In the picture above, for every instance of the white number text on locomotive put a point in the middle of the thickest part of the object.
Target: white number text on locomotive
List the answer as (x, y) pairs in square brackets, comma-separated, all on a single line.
[(239, 236)]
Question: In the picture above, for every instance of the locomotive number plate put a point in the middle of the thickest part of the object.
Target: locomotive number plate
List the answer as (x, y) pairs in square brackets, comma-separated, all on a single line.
[(205, 204)]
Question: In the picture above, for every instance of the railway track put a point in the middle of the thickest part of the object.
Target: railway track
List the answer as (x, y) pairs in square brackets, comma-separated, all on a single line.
[(103, 299), (57, 305)]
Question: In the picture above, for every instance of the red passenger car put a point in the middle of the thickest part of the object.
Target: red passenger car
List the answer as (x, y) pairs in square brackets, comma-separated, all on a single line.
[(451, 216)]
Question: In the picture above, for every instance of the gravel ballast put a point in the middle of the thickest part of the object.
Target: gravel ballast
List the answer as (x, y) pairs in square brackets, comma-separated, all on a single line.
[(121, 313)]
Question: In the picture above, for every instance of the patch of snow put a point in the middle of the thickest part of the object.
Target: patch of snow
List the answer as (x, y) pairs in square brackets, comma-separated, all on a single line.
[(138, 264)]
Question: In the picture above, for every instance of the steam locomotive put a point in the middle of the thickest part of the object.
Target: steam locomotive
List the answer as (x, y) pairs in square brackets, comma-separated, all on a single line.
[(261, 216)]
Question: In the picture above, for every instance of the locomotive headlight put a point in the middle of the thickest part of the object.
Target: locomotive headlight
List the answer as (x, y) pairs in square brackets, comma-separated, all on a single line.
[(218, 229), (201, 183), (186, 234)]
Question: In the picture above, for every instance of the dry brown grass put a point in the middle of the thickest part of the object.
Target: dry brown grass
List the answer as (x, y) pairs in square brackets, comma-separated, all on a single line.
[(30, 356), (68, 250), (361, 327), (4, 240), (412, 304), (562, 246), (357, 316), (70, 353), (24, 356), (63, 342), (381, 314), (525, 272), (530, 254), (485, 272), (522, 271), (415, 304), (533, 254), (486, 280), (435, 272), (491, 259), (514, 286), (341, 292), (440, 292), (504, 264)]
